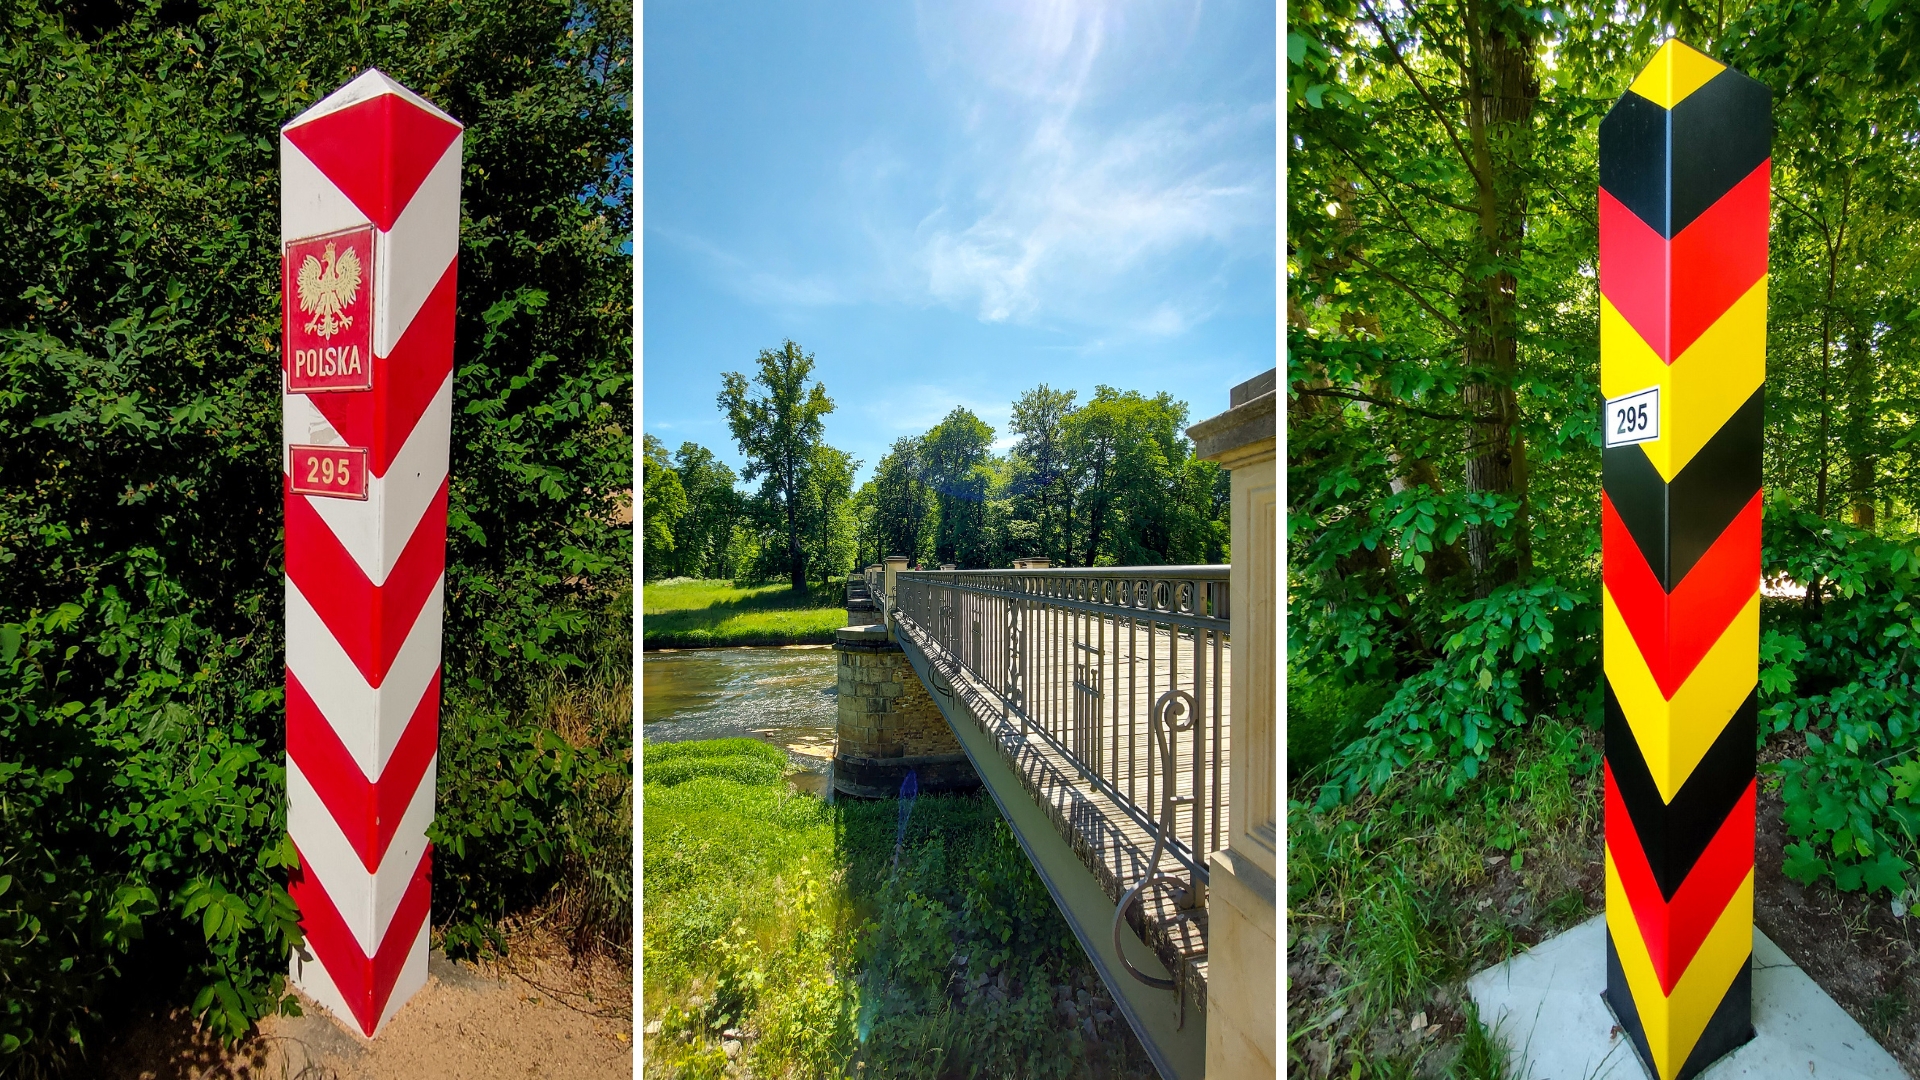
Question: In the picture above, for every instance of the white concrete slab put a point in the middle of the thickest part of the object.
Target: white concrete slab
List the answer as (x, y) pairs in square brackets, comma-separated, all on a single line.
[(1545, 1005)]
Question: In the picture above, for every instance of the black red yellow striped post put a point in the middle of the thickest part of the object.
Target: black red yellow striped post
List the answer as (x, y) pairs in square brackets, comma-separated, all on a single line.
[(1685, 168)]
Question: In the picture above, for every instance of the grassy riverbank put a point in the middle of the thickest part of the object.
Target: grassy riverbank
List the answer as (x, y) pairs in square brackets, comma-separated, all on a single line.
[(780, 939), (684, 613)]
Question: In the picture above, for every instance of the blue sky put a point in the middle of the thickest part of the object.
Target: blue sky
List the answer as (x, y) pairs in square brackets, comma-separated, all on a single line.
[(949, 203)]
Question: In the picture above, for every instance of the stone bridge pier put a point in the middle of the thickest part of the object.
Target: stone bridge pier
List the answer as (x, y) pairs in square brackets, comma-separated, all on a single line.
[(888, 723)]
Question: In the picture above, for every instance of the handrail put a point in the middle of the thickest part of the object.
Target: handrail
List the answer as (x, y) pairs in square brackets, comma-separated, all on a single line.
[(1085, 658)]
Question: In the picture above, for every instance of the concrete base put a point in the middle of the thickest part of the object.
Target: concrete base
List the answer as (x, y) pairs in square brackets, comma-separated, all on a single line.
[(1545, 1006)]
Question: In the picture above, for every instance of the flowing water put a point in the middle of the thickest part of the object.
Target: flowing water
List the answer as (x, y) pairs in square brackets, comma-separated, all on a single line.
[(786, 697)]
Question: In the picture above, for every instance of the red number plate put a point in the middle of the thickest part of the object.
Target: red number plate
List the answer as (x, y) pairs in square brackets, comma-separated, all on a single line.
[(338, 472), (326, 299)]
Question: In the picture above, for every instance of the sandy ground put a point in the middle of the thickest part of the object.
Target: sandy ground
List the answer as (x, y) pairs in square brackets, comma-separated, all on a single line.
[(535, 1018)]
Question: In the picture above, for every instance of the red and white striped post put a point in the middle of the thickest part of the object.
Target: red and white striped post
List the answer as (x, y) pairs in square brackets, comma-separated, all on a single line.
[(370, 226)]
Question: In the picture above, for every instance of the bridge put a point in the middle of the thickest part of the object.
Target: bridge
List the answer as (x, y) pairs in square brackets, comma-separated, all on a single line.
[(1123, 720)]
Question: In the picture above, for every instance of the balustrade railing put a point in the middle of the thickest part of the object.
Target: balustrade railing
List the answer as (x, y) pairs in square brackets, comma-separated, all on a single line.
[(1090, 660)]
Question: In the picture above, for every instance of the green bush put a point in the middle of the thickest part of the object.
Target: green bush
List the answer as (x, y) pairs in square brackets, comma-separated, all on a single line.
[(142, 831), (1840, 671), (1325, 715)]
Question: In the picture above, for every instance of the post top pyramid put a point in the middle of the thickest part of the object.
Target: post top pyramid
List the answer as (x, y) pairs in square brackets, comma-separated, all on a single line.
[(1676, 70), (370, 84)]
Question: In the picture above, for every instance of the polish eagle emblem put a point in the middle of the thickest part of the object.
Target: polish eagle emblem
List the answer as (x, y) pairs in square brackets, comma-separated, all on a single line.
[(327, 286)]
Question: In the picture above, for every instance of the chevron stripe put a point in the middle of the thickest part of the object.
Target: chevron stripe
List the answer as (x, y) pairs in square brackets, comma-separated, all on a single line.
[(1673, 1023), (363, 983), (1675, 733), (411, 255), (1671, 291), (1685, 177), (366, 580), (1669, 166), (1674, 926), (1673, 631), (1673, 835), (375, 531), (1673, 524), (1700, 391), (367, 810), (366, 900), (416, 136), (368, 719), (371, 622), (1728, 1028), (405, 383), (311, 976)]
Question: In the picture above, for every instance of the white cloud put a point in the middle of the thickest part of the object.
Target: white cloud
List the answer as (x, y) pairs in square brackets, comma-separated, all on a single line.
[(1077, 177), (753, 281), (1054, 212)]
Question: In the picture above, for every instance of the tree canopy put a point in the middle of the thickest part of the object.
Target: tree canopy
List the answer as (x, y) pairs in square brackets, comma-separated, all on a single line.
[(1443, 358), (779, 431)]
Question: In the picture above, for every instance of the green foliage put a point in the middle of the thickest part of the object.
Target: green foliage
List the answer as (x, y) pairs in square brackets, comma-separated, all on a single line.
[(1111, 483), (702, 537), (1325, 715), (1502, 653), (140, 554), (779, 432), (663, 502), (780, 915), (1839, 673), (953, 458), (1396, 896)]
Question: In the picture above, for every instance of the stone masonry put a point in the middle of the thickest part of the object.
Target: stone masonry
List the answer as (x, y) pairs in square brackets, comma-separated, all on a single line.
[(889, 724)]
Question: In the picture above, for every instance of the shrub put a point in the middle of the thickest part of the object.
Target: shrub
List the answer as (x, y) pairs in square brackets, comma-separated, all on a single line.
[(1839, 670)]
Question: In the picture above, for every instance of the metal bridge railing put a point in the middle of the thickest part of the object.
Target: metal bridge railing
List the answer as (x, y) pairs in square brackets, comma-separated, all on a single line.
[(1090, 660)]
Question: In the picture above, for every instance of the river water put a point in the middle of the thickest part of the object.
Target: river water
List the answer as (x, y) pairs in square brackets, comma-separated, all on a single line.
[(786, 697)]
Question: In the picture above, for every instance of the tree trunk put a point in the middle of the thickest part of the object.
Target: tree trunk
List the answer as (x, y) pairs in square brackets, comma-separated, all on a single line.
[(796, 565), (1503, 86), (1860, 427)]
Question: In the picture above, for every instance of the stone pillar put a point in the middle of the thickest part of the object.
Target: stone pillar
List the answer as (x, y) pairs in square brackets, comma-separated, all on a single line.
[(1241, 925), (861, 608), (889, 723), (895, 564)]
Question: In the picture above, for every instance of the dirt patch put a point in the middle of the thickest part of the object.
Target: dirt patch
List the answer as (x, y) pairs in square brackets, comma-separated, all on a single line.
[(535, 1015), (1851, 945)]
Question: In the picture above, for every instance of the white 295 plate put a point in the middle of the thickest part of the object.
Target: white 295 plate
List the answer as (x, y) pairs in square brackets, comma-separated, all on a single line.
[(1634, 418)]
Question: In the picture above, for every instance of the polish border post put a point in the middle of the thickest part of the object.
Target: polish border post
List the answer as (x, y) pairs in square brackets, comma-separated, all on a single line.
[(370, 222)]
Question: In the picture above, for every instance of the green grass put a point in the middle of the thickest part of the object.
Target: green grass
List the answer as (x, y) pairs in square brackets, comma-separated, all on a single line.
[(778, 916), (690, 614), (1393, 900)]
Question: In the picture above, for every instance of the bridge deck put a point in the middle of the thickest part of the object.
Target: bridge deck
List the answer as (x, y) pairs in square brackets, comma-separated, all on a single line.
[(1093, 681)]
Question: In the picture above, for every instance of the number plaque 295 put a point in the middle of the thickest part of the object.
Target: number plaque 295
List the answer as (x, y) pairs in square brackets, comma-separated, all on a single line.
[(1634, 418), (336, 471)]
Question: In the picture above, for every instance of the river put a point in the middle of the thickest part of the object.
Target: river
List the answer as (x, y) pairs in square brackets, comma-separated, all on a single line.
[(786, 697)]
